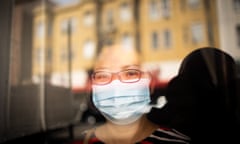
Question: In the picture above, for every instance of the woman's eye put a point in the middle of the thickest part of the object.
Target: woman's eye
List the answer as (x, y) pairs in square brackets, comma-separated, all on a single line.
[(131, 74), (101, 76)]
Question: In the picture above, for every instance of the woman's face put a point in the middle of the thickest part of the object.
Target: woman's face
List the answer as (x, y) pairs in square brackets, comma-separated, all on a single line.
[(120, 87)]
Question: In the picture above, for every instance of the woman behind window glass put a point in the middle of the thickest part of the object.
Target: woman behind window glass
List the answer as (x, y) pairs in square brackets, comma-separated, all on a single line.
[(121, 92)]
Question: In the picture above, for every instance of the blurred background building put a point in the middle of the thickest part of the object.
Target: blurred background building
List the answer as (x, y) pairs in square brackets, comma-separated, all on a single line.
[(67, 37)]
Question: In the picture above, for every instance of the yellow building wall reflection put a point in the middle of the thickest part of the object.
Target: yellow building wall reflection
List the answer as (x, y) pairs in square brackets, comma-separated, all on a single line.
[(164, 31)]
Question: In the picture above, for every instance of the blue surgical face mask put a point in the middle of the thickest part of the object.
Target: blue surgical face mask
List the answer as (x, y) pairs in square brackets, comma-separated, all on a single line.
[(122, 103)]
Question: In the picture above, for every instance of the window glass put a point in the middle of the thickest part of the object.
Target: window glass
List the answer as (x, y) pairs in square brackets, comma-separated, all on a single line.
[(193, 3), (109, 18), (154, 7), (70, 23), (36, 43), (40, 29), (73, 24), (125, 12), (89, 49), (88, 18), (155, 40), (167, 38), (197, 33), (127, 41), (165, 7), (64, 26), (236, 5)]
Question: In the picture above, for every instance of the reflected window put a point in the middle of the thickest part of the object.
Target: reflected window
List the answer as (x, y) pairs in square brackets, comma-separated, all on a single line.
[(109, 18), (159, 8), (125, 12), (64, 79), (36, 78), (64, 26), (155, 40), (73, 24), (165, 7), (88, 18), (154, 9), (88, 49), (40, 29), (193, 3), (236, 5), (167, 38), (70, 23), (197, 33), (127, 41)]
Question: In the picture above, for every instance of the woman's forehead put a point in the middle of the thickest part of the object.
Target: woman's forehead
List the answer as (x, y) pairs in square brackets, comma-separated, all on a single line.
[(117, 58), (117, 63), (116, 68)]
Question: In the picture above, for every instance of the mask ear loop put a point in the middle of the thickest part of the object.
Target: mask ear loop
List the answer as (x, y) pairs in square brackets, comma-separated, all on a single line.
[(161, 102)]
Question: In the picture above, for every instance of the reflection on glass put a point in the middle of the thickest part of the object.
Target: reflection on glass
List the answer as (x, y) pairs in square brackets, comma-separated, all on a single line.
[(54, 44)]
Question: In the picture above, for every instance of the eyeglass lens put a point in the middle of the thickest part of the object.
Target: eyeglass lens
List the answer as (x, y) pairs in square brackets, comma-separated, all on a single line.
[(127, 76)]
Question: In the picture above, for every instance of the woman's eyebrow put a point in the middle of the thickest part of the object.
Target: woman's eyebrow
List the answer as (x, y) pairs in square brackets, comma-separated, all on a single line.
[(131, 66), (100, 69), (134, 66)]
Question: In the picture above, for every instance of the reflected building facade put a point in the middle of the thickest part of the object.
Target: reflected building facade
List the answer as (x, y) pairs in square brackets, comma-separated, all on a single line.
[(229, 26), (67, 39)]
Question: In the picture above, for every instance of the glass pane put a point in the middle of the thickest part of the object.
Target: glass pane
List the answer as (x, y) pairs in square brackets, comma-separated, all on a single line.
[(54, 45)]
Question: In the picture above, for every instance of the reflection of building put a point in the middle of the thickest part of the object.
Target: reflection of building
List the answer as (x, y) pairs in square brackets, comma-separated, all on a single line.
[(229, 28), (164, 31), (21, 46), (42, 41)]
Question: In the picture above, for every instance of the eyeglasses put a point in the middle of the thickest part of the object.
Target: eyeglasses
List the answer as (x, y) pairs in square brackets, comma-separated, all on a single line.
[(125, 76)]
